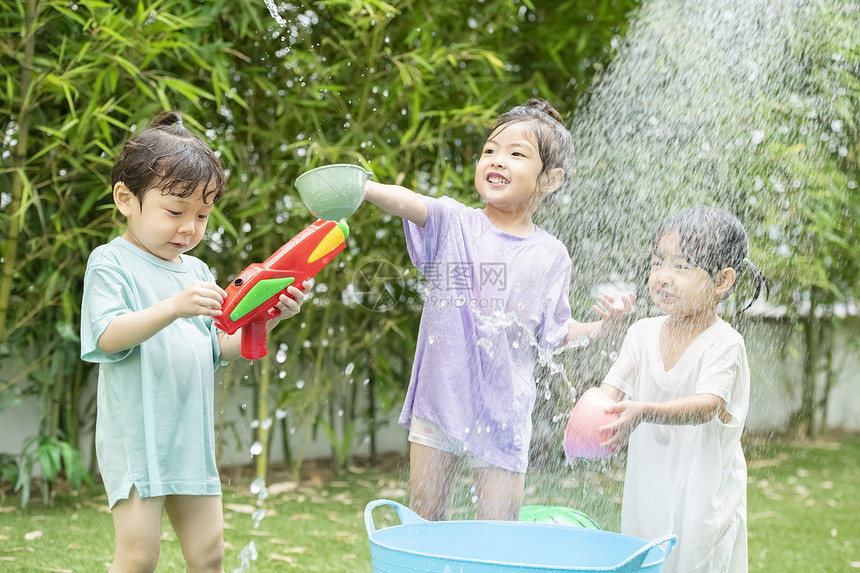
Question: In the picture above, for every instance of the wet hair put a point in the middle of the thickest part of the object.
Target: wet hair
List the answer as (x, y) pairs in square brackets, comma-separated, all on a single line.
[(713, 239), (554, 142), (167, 156)]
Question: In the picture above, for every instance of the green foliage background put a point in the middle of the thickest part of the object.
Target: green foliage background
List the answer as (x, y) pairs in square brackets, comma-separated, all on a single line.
[(403, 88)]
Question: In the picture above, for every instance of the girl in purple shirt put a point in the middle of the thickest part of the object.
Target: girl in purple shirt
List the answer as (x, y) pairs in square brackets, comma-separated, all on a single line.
[(496, 297)]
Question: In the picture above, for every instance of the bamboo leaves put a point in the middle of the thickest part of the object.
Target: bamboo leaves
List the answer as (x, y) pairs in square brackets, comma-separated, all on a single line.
[(403, 88)]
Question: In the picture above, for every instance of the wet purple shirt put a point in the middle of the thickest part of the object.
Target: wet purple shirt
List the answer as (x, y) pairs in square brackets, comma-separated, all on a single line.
[(493, 302)]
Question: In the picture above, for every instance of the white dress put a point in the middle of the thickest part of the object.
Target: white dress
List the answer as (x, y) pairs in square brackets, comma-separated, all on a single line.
[(687, 480)]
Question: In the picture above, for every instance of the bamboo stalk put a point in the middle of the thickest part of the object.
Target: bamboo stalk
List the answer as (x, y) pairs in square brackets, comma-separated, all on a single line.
[(220, 415), (10, 250)]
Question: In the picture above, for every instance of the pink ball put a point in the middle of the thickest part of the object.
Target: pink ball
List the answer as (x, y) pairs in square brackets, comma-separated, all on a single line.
[(582, 438)]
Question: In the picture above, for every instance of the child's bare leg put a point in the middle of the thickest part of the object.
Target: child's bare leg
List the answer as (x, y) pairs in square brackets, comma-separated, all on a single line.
[(431, 472), (500, 493), (199, 524), (137, 525)]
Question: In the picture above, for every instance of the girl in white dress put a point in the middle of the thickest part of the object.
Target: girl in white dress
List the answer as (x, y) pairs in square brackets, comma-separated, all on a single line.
[(686, 378)]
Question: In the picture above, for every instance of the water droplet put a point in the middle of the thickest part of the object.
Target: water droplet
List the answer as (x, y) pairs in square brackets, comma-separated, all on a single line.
[(273, 11), (256, 449), (300, 384), (258, 516), (280, 414), (257, 485), (248, 554), (349, 368), (266, 424)]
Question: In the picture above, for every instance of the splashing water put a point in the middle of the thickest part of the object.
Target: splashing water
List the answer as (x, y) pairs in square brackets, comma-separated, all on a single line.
[(508, 326), (246, 557), (684, 116), (276, 14), (257, 517), (248, 554)]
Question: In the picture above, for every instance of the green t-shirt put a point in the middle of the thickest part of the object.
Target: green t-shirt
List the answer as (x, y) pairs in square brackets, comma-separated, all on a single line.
[(155, 426)]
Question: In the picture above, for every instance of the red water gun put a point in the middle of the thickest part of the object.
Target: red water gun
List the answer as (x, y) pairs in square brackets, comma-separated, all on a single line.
[(252, 296)]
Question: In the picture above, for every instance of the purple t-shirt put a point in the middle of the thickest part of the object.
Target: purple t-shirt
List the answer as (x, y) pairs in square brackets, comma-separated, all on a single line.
[(493, 301)]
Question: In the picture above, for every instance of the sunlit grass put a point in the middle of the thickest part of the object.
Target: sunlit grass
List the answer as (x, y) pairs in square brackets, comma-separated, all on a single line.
[(804, 503), (315, 526), (804, 506)]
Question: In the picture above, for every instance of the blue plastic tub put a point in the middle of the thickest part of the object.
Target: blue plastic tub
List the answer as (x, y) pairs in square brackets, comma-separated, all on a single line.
[(504, 547)]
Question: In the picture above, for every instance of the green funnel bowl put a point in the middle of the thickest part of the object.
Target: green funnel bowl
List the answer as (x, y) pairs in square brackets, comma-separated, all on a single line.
[(333, 192)]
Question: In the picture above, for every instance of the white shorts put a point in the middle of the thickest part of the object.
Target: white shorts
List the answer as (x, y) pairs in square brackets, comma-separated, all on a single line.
[(432, 435)]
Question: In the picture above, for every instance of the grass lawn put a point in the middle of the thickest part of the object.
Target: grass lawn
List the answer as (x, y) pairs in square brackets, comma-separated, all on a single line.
[(804, 506), (804, 515)]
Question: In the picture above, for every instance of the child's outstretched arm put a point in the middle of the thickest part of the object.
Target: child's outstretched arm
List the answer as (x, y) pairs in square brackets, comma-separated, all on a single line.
[(231, 344), (397, 200), (128, 330), (690, 410), (611, 315)]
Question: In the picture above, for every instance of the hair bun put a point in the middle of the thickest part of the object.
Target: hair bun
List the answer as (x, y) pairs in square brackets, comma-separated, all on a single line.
[(166, 118), (544, 106)]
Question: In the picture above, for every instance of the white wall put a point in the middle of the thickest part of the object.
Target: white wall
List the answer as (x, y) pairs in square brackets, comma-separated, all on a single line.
[(776, 370)]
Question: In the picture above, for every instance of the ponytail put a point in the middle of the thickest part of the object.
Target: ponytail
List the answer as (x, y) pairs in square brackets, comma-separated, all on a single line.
[(760, 281)]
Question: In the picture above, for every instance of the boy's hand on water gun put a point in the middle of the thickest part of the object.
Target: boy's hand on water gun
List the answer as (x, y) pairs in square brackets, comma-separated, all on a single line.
[(199, 299), (290, 307), (630, 415), (614, 309)]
